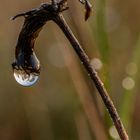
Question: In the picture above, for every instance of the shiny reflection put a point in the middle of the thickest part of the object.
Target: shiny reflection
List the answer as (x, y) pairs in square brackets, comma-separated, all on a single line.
[(128, 83), (26, 69), (96, 63), (24, 78), (113, 133)]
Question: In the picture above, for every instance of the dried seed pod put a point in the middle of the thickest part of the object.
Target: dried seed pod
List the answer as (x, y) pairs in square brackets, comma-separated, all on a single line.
[(26, 66)]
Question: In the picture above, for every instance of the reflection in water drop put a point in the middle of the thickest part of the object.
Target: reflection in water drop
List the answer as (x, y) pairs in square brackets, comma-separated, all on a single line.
[(24, 78)]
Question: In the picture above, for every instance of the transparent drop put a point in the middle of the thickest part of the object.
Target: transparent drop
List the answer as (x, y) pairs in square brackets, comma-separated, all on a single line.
[(128, 83), (96, 63), (24, 78), (113, 133)]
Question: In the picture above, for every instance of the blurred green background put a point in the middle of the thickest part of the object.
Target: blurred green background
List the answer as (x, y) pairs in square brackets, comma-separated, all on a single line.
[(64, 104)]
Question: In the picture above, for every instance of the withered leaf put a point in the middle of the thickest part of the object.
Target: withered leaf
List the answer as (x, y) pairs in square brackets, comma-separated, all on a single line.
[(88, 8)]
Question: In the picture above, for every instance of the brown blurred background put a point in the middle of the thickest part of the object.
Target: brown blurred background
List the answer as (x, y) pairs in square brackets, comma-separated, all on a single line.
[(64, 104)]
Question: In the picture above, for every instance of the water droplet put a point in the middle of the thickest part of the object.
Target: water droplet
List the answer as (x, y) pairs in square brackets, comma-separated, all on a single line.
[(88, 74), (128, 83), (24, 78), (96, 63), (26, 69), (113, 132)]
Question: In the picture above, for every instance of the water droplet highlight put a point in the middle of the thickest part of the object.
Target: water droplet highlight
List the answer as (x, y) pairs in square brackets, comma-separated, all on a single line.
[(113, 133), (96, 63), (128, 83), (24, 78)]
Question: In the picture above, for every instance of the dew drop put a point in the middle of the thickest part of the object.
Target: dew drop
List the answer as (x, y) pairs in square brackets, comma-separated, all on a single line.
[(25, 79), (113, 133), (82, 62), (88, 74), (128, 83), (96, 63)]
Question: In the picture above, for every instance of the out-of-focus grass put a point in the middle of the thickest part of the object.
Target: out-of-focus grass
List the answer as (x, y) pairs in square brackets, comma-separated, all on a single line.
[(102, 40), (129, 93), (104, 49)]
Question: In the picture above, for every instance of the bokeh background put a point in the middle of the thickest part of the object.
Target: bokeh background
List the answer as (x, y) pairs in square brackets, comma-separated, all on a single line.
[(64, 104)]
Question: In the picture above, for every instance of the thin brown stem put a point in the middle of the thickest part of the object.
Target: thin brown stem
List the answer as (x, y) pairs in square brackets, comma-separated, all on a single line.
[(83, 91), (60, 21)]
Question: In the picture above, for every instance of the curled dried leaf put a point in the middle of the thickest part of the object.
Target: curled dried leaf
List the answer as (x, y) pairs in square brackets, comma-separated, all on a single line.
[(88, 8)]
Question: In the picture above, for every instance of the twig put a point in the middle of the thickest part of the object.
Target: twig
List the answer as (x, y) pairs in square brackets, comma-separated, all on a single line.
[(59, 20), (81, 87)]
